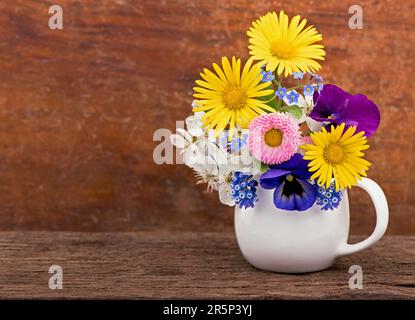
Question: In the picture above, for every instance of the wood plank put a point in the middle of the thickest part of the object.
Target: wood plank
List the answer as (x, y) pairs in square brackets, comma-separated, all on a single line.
[(186, 265)]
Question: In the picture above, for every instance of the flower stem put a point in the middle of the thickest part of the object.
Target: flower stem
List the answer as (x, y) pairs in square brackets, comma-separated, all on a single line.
[(294, 88)]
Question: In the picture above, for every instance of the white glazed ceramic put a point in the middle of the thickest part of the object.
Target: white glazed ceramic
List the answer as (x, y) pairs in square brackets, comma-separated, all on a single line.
[(302, 241)]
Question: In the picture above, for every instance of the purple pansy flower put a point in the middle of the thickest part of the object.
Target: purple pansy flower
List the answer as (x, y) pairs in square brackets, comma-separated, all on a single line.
[(337, 106), (289, 179)]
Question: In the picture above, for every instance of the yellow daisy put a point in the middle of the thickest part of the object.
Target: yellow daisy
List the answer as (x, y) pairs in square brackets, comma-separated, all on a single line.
[(285, 46), (229, 97), (337, 154)]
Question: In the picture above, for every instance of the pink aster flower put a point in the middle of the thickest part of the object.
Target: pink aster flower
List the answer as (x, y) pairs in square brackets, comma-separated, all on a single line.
[(274, 137)]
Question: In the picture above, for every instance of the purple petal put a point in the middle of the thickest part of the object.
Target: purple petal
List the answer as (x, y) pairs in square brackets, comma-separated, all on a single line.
[(363, 113), (338, 106), (332, 100)]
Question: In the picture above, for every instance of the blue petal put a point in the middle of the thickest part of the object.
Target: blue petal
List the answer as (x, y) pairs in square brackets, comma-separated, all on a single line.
[(295, 201), (302, 173), (271, 183), (296, 162), (283, 202), (272, 178), (274, 173), (307, 198)]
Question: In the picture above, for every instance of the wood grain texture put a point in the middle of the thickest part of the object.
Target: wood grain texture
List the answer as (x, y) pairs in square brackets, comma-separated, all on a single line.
[(186, 265), (78, 106)]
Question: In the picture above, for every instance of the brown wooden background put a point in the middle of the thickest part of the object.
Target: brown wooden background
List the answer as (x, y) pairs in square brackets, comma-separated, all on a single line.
[(78, 106)]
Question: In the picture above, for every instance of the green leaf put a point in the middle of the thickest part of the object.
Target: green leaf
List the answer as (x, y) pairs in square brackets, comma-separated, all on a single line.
[(270, 100), (294, 110), (264, 167)]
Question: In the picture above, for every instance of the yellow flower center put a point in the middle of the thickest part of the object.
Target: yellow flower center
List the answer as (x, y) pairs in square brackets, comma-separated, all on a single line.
[(282, 49), (334, 153), (273, 138), (235, 98), (289, 178)]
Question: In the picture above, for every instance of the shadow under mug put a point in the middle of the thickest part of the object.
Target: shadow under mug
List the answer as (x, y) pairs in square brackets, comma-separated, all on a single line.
[(303, 241)]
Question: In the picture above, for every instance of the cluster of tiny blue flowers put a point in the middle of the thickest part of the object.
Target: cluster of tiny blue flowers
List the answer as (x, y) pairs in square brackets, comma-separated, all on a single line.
[(328, 198), (267, 76), (298, 75), (236, 144), (291, 96), (243, 190), (318, 81), (316, 77)]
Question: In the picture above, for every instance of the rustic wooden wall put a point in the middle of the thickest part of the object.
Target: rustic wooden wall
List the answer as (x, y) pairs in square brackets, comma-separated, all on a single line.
[(78, 106)]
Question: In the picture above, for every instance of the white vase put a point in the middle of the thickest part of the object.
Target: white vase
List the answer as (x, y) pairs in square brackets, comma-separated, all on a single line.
[(302, 241)]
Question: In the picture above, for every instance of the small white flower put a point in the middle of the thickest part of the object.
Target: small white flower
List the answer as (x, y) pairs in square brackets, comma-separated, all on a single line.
[(306, 105), (212, 161), (207, 173), (314, 125), (182, 139), (187, 144), (194, 124), (225, 196)]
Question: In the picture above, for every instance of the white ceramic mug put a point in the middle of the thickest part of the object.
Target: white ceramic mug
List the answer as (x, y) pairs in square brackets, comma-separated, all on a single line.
[(302, 241)]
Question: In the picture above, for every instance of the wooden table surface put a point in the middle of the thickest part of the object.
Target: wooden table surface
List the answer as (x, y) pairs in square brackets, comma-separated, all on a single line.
[(186, 265)]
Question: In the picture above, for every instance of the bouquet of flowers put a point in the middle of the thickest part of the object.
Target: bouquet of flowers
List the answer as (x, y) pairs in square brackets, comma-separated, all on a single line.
[(273, 123)]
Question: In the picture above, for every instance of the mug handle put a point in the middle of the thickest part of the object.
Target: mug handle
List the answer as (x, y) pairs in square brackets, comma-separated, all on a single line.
[(382, 217)]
